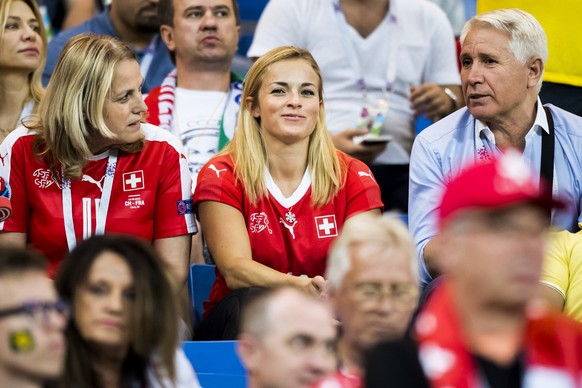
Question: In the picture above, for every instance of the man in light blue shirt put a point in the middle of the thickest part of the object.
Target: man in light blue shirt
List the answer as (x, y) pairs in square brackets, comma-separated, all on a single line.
[(503, 56)]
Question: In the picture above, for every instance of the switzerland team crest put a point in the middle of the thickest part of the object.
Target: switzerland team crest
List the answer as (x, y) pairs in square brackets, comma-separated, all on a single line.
[(326, 226), (133, 181), (259, 222)]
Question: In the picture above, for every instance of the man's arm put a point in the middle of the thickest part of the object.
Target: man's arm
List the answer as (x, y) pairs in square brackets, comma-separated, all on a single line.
[(426, 184), (441, 71), (555, 278), (436, 101), (552, 297)]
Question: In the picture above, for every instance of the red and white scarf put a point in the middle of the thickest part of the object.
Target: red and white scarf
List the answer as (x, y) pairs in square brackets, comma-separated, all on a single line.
[(160, 102), (553, 348)]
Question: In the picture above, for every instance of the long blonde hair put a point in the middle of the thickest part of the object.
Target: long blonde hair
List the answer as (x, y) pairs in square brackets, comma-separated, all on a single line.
[(34, 78), (248, 148), (72, 110)]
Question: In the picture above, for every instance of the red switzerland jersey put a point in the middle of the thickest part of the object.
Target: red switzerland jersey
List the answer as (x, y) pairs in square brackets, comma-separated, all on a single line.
[(298, 246), (150, 195)]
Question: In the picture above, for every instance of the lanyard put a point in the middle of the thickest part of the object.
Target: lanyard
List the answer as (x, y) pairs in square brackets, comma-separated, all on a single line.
[(146, 61), (485, 149), (353, 57), (102, 205), (222, 137)]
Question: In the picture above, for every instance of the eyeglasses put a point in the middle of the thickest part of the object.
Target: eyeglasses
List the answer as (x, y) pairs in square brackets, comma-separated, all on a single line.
[(370, 295), (38, 311)]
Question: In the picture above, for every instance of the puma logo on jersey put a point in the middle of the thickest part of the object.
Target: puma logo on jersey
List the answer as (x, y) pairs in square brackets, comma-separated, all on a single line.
[(289, 227), (213, 168), (368, 174), (87, 178), (3, 157)]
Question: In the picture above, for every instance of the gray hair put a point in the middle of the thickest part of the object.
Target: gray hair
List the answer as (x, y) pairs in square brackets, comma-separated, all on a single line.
[(386, 230), (527, 38)]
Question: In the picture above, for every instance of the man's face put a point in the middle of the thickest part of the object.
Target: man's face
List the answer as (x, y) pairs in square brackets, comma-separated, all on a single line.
[(30, 346), (495, 84), (497, 256), (204, 31), (137, 15), (298, 349), (377, 296)]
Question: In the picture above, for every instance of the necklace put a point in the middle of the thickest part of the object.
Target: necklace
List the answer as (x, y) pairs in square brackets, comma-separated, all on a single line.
[(290, 216)]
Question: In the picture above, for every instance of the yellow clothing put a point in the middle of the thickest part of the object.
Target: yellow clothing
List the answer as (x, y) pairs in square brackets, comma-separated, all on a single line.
[(560, 20), (562, 270)]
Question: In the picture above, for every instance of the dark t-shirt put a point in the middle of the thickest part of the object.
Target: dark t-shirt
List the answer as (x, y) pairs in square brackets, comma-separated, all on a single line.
[(501, 376), (396, 365)]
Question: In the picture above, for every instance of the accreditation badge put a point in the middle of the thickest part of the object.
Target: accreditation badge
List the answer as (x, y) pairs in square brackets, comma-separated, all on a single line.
[(372, 118)]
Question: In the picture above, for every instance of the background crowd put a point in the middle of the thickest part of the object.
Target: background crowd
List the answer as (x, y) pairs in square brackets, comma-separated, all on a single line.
[(351, 245)]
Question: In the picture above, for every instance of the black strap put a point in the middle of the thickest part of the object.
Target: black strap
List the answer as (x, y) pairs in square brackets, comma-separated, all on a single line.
[(548, 141)]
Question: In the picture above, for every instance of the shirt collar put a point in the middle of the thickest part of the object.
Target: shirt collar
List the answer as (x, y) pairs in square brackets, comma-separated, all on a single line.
[(541, 120)]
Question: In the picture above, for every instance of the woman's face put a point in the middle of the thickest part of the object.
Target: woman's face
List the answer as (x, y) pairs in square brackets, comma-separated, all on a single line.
[(288, 102), (21, 45), (124, 107), (103, 302)]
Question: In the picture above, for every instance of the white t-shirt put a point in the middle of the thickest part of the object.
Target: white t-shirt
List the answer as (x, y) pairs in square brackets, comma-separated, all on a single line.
[(196, 122), (185, 374), (424, 47)]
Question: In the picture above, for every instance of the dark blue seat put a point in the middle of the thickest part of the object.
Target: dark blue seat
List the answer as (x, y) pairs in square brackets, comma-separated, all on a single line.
[(200, 282), (216, 363)]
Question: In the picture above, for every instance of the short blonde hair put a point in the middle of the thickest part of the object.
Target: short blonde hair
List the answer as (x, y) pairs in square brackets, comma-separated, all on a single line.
[(72, 110), (248, 147), (386, 230), (34, 78)]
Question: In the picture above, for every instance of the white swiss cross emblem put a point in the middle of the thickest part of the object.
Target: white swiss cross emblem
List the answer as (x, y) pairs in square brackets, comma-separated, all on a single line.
[(133, 181), (326, 226)]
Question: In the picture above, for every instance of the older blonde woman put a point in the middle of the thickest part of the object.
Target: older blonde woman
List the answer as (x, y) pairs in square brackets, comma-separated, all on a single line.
[(88, 165), (273, 201), (23, 46)]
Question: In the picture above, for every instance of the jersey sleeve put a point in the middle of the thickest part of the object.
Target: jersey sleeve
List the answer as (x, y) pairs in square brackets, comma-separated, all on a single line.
[(555, 271), (216, 182), (174, 215), (12, 169), (363, 192)]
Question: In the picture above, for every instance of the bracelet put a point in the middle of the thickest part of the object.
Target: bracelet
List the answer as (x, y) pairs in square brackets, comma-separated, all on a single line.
[(453, 98)]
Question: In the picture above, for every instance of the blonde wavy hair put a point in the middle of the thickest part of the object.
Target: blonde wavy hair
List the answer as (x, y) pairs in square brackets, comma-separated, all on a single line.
[(248, 147), (34, 78), (72, 110)]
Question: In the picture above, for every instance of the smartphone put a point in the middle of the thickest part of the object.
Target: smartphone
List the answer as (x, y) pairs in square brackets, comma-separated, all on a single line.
[(370, 139)]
